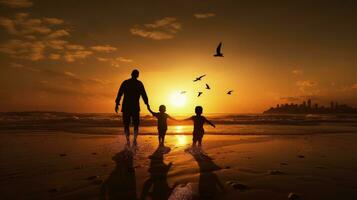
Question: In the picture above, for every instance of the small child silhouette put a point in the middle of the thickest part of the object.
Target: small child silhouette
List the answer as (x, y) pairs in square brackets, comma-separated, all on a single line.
[(198, 121), (161, 122)]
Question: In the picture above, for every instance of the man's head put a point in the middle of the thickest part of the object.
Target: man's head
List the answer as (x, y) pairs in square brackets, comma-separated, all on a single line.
[(198, 110), (135, 74)]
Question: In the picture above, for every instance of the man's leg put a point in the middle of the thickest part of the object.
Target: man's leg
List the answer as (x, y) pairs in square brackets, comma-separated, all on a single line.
[(126, 122), (136, 122)]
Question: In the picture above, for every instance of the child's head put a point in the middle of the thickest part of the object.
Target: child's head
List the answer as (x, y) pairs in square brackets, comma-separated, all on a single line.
[(198, 110), (162, 108)]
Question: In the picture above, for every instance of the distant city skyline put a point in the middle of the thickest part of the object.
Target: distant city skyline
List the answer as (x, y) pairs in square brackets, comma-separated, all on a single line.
[(309, 107)]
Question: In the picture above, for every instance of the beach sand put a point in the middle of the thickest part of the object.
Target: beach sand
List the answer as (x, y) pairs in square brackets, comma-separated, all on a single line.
[(80, 166)]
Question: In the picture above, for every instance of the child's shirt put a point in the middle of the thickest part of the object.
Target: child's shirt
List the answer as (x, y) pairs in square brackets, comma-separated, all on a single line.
[(198, 122), (161, 120)]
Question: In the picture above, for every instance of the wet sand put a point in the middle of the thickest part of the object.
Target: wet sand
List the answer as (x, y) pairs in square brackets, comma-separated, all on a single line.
[(79, 166)]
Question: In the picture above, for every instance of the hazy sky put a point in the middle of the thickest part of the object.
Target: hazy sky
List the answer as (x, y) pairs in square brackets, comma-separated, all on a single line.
[(71, 56)]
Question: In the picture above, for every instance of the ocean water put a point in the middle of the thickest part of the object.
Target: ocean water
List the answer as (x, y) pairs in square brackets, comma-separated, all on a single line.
[(232, 124)]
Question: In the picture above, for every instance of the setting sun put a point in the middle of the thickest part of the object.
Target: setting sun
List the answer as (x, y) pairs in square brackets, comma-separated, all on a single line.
[(177, 99)]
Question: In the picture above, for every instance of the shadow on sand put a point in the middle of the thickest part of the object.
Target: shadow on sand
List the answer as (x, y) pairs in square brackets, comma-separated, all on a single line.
[(121, 183), (158, 177), (209, 185)]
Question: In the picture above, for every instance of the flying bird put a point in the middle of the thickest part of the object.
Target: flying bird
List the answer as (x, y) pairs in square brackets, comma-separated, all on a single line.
[(199, 94), (229, 92), (199, 78), (207, 86), (183, 92), (218, 51)]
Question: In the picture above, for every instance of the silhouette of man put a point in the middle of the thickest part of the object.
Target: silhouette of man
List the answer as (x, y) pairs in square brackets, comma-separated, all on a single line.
[(132, 89)]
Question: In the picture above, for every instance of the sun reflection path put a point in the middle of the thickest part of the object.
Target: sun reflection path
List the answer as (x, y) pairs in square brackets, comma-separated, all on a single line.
[(181, 140)]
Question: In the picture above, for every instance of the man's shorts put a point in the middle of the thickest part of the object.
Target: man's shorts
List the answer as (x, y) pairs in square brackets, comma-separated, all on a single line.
[(131, 116)]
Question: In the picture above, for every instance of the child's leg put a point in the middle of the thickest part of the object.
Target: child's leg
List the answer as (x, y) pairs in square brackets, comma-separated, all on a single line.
[(194, 139), (200, 139), (163, 137)]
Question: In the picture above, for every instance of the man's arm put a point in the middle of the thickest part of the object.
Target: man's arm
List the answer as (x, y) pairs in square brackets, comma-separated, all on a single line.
[(143, 94), (152, 112), (120, 94)]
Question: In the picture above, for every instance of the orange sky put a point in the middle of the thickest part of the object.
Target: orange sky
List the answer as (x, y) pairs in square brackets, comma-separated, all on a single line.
[(72, 56)]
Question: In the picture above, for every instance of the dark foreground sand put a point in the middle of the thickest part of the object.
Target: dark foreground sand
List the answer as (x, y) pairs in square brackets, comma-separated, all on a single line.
[(78, 166)]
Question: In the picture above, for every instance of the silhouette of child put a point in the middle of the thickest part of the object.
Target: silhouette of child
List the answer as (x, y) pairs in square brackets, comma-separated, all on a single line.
[(161, 122), (198, 121)]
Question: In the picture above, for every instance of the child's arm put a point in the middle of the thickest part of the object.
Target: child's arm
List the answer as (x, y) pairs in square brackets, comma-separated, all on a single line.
[(210, 123), (178, 120), (181, 120)]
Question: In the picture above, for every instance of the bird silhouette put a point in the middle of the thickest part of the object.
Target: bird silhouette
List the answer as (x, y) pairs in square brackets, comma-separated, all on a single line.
[(218, 51), (183, 92), (199, 94), (229, 92), (207, 86), (199, 78)]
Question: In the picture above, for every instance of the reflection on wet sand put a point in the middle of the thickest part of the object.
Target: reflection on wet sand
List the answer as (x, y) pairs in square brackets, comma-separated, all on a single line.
[(209, 185), (157, 187), (121, 183)]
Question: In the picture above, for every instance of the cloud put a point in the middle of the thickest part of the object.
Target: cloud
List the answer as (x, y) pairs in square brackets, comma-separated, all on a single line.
[(114, 62), (58, 33), (103, 59), (8, 25), (204, 15), (17, 3), (104, 48), (99, 81), (57, 44), (54, 56), (162, 29), (305, 85), (72, 56), (41, 38), (122, 59), (74, 47), (30, 50), (67, 73), (53, 21), (23, 25), (297, 72), (16, 65), (23, 67)]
